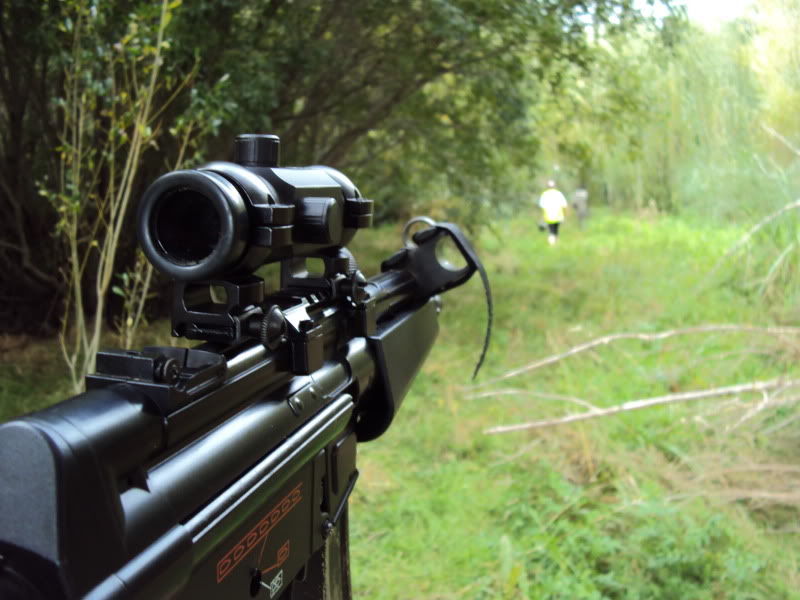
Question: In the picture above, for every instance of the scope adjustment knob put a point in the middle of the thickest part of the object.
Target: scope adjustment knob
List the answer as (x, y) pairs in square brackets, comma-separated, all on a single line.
[(257, 150), (318, 221)]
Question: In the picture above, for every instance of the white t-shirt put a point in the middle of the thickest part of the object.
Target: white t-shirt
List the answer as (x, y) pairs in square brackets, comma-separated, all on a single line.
[(553, 204)]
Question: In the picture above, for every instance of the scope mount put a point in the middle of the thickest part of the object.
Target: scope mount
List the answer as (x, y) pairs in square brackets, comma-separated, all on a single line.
[(212, 228), (224, 311)]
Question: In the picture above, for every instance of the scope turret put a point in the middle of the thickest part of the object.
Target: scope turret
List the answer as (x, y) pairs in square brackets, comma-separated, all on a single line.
[(229, 218)]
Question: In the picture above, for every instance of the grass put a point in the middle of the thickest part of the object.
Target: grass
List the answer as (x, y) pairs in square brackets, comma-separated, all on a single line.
[(32, 375), (671, 502), (617, 508)]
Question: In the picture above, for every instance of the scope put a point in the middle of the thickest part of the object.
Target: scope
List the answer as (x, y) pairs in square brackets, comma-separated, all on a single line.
[(226, 219), (209, 229)]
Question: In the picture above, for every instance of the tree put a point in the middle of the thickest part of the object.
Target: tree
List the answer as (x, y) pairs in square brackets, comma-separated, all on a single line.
[(415, 99), (410, 97)]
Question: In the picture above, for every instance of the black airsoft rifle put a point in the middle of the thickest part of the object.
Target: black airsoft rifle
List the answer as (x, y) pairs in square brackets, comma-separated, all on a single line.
[(223, 471)]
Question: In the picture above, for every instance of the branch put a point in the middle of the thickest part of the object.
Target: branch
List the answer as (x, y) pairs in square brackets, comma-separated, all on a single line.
[(756, 468), (752, 412), (647, 337), (757, 386), (736, 495), (785, 423), (746, 237), (781, 139), (517, 392), (339, 147)]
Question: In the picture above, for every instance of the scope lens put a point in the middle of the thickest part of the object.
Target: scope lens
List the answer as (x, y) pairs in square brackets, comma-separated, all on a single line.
[(186, 226)]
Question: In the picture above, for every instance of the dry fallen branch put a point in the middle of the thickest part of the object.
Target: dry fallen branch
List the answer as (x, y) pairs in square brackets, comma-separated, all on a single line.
[(782, 425), (755, 413), (722, 408), (752, 412), (546, 396), (756, 386), (647, 337), (734, 495), (507, 458), (755, 468)]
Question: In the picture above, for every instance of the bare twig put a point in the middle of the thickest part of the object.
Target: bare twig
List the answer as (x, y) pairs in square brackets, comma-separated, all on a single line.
[(781, 139), (734, 495), (765, 400), (782, 424), (774, 269), (546, 396), (734, 403), (518, 454), (80, 175), (756, 386), (750, 233), (647, 337), (756, 468)]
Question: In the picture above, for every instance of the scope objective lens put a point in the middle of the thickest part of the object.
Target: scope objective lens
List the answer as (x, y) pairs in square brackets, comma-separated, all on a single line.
[(187, 226)]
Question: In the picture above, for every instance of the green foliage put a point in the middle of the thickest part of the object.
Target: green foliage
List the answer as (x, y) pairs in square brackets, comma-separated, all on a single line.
[(415, 98), (34, 379), (681, 119)]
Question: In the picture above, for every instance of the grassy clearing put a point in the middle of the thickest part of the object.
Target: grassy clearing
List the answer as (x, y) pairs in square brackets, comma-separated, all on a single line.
[(664, 503), (32, 375), (681, 501)]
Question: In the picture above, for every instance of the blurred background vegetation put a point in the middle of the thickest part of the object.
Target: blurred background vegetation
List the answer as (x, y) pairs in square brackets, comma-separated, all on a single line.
[(686, 136), (432, 105)]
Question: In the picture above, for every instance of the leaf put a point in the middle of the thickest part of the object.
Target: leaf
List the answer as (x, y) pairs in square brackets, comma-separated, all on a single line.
[(115, 289)]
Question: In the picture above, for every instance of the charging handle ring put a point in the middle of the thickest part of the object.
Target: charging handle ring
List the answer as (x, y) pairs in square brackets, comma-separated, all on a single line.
[(407, 241)]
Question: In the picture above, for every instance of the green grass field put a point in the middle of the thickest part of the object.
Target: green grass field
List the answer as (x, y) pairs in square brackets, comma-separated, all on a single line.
[(689, 500), (669, 502)]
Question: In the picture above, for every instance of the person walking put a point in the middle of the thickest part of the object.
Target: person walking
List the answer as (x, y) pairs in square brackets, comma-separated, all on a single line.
[(553, 204), (580, 204)]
